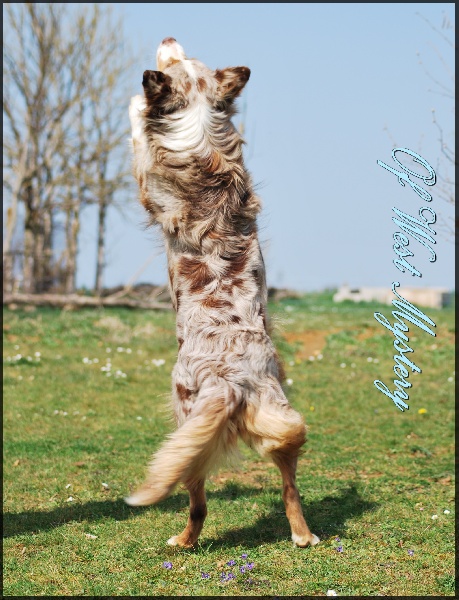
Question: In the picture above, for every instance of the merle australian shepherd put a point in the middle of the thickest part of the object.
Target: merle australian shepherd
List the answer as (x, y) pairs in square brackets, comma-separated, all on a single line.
[(227, 380)]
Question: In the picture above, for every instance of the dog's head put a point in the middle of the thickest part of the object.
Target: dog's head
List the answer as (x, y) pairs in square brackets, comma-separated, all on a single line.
[(182, 83)]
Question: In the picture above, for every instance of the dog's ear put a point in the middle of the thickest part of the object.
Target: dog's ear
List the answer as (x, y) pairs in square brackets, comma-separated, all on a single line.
[(157, 87), (231, 82)]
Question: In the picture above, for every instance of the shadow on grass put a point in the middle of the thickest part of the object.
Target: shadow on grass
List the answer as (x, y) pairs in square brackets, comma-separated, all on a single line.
[(325, 517)]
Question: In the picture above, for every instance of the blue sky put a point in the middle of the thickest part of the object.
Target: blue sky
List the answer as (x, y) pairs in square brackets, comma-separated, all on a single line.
[(333, 88)]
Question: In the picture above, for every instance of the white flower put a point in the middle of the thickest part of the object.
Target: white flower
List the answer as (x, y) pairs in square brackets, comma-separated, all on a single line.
[(85, 360), (446, 512), (343, 365), (158, 362), (320, 356), (369, 359), (289, 381), (288, 308), (311, 358), (291, 363), (37, 354), (108, 349), (331, 593), (67, 486), (16, 347), (434, 516), (95, 360), (450, 379), (90, 536), (69, 499), (128, 351), (120, 349), (139, 418), (105, 485)]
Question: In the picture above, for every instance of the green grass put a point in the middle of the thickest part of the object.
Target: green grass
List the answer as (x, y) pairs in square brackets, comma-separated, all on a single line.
[(370, 475)]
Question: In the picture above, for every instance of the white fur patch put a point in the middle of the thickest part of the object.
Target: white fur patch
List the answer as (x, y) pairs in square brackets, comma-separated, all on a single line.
[(189, 68), (172, 541), (187, 128)]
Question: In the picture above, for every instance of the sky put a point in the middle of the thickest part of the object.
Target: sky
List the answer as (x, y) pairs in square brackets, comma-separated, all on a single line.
[(333, 89)]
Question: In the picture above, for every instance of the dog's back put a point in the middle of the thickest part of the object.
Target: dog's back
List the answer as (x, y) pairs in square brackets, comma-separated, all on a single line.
[(226, 383)]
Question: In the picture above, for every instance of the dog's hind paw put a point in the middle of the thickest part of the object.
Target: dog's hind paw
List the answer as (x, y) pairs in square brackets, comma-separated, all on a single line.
[(176, 541), (305, 541)]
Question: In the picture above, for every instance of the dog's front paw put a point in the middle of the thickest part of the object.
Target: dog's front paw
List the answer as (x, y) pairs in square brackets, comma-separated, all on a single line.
[(136, 108)]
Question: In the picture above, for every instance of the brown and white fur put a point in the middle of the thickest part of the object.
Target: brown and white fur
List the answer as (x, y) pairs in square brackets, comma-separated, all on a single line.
[(227, 380)]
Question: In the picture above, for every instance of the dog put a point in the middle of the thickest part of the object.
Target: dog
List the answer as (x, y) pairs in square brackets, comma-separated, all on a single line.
[(227, 380)]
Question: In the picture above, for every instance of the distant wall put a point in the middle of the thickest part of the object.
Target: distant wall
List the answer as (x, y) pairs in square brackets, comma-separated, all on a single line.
[(430, 297)]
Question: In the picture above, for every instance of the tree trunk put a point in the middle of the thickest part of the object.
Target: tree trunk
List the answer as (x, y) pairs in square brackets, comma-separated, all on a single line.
[(47, 280), (72, 228), (74, 300), (104, 201), (28, 282)]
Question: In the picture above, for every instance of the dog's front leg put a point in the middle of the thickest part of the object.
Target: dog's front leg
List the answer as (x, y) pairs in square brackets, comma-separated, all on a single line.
[(142, 159)]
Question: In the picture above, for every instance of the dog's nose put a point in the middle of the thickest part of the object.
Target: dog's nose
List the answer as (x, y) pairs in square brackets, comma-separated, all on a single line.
[(169, 48)]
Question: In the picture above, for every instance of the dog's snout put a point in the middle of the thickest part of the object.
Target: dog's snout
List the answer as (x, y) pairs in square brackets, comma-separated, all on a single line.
[(169, 49)]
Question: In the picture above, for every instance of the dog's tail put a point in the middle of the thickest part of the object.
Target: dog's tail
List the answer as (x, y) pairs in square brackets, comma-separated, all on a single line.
[(188, 454)]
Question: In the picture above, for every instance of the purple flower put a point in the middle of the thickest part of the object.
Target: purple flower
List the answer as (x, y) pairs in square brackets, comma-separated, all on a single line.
[(411, 552), (223, 576), (205, 575), (337, 539), (242, 569), (231, 563), (250, 566), (167, 565), (231, 576), (243, 555), (339, 549)]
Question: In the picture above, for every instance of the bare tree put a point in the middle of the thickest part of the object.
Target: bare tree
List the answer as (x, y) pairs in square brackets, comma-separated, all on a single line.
[(443, 84), (62, 97)]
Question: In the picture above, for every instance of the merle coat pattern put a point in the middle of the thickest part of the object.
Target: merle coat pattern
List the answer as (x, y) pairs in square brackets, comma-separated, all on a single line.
[(227, 380)]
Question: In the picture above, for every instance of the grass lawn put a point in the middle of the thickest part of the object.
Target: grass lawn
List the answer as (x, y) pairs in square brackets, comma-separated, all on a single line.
[(78, 435)]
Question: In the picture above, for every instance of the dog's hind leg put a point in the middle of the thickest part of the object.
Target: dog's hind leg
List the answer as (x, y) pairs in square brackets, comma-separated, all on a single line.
[(278, 431), (198, 512), (286, 460)]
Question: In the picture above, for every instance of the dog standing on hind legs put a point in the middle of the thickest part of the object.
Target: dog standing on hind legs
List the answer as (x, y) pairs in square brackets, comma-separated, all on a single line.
[(226, 382)]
